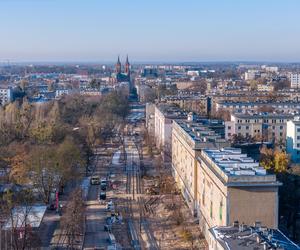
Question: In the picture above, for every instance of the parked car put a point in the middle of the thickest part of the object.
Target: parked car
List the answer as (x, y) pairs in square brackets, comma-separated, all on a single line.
[(95, 180), (102, 196)]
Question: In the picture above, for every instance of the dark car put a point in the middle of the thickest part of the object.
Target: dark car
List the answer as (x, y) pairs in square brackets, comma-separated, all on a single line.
[(102, 196)]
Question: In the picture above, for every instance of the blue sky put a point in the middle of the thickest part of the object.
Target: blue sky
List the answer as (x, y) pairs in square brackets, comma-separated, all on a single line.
[(150, 30)]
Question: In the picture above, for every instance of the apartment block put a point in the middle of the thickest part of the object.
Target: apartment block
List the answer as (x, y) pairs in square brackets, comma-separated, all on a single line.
[(191, 102), (189, 137), (149, 119), (233, 187), (267, 127), (257, 106), (295, 81), (164, 114), (5, 96), (293, 139)]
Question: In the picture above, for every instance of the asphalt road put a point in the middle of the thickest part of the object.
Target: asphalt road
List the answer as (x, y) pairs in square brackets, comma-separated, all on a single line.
[(95, 235)]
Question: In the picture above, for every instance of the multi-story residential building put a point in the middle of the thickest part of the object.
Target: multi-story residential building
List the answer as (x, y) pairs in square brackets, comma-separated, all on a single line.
[(295, 81), (61, 92), (164, 114), (231, 187), (191, 102), (189, 137), (5, 95), (293, 139), (252, 74), (246, 237), (257, 106), (266, 127), (265, 87), (150, 119)]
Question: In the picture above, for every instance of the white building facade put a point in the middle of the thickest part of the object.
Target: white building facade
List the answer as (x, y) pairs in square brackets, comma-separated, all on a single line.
[(295, 81), (293, 139), (5, 96)]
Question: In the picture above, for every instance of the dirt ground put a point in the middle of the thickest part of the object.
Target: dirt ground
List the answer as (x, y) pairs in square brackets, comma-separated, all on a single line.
[(171, 221)]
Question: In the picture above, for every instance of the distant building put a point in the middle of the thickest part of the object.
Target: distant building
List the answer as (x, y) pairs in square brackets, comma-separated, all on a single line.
[(90, 92), (252, 74), (150, 72), (6, 95), (293, 139), (119, 75), (193, 103), (61, 92), (267, 127), (265, 87), (245, 237), (256, 106), (164, 114), (295, 81)]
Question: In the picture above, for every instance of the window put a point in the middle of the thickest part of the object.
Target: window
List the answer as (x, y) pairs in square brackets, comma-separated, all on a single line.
[(247, 127), (281, 127), (239, 127), (221, 210), (211, 209), (298, 145), (229, 127), (229, 134), (280, 134), (298, 129)]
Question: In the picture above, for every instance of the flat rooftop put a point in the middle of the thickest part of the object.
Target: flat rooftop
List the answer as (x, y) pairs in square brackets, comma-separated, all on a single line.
[(232, 162), (248, 238), (259, 103), (171, 111), (264, 115), (199, 131)]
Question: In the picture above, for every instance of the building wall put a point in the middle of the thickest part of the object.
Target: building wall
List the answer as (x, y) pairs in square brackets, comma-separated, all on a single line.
[(219, 205), (211, 199), (293, 140), (252, 204), (269, 129), (184, 167), (5, 96), (150, 119), (295, 81), (163, 131)]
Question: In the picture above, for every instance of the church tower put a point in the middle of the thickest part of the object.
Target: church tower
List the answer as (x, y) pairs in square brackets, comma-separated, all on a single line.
[(127, 66), (118, 66)]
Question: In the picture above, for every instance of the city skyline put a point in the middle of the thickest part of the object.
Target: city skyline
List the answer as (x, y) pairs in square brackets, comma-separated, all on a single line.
[(152, 31)]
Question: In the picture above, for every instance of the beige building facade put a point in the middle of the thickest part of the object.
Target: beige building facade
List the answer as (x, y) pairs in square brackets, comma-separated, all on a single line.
[(188, 139), (232, 187)]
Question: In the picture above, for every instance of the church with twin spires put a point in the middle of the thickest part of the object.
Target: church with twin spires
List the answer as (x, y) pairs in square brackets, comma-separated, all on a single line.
[(122, 76)]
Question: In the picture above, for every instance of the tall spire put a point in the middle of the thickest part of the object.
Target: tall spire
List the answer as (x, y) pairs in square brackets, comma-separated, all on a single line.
[(127, 66), (118, 66)]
